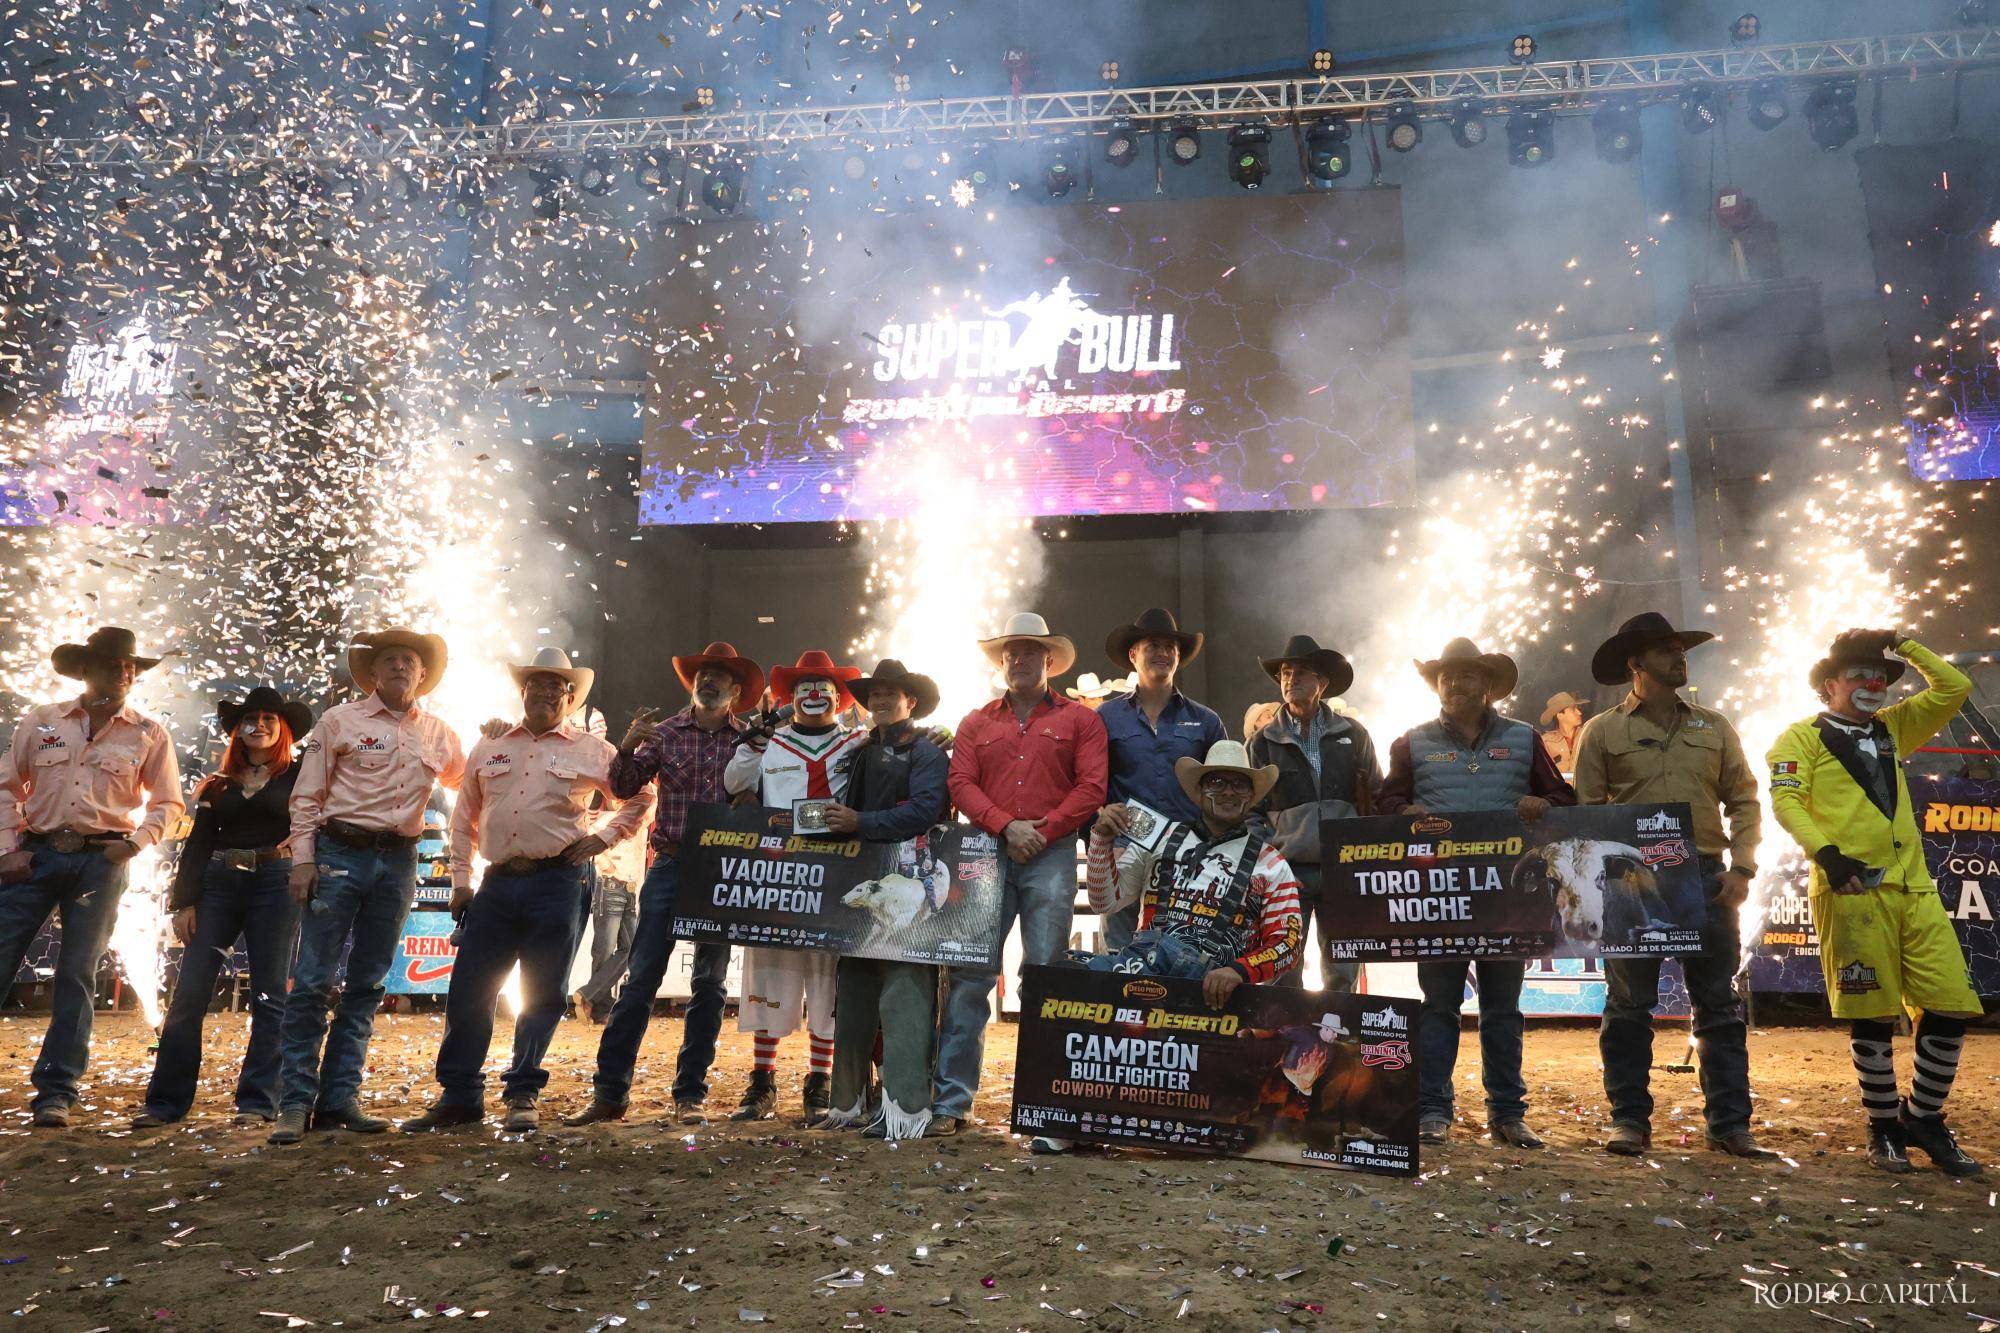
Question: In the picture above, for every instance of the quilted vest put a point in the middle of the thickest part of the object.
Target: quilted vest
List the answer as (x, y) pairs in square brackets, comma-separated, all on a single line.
[(1490, 775)]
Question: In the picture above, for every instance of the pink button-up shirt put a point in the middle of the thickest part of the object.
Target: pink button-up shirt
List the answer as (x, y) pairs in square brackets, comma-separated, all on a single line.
[(529, 795), (58, 776), (370, 766)]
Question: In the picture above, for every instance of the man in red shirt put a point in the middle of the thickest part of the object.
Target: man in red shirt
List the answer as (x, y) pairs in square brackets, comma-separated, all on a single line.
[(1029, 768)]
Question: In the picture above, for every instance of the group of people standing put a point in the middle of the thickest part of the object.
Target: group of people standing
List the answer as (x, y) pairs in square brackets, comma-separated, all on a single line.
[(304, 845)]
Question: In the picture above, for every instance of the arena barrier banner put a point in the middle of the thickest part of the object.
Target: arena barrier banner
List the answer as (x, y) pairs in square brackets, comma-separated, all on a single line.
[(1612, 880), (1959, 819), (746, 878), (424, 957), (1280, 1075)]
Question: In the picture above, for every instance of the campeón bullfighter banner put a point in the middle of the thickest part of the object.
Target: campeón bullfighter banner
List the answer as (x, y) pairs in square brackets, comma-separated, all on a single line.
[(1280, 1074), (1619, 881), (747, 878)]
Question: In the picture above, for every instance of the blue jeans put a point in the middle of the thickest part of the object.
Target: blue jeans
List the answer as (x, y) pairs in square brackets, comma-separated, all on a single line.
[(85, 888), (1117, 928), (1625, 1039), (536, 920), (367, 892), (1500, 1033), (1041, 894), (257, 905), (652, 945), (1152, 954), (614, 917)]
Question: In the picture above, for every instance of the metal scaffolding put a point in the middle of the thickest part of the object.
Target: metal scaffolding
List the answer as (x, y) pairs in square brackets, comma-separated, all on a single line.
[(1566, 88)]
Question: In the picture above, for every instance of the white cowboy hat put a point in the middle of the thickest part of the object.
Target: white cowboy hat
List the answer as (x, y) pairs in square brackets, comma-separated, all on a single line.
[(555, 662), (1088, 686), (1027, 625), (1224, 757)]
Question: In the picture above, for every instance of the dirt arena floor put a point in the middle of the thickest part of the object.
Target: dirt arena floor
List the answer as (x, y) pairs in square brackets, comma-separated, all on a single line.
[(638, 1226)]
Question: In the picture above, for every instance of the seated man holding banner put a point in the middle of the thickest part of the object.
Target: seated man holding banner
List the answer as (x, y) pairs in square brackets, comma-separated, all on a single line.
[(1217, 903)]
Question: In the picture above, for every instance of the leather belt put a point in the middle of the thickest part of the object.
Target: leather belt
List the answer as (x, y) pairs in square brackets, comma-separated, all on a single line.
[(249, 858), (69, 840), (525, 865), (367, 839)]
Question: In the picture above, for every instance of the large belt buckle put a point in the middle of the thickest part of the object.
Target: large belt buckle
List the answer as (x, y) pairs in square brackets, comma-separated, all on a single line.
[(67, 841), (517, 865), (240, 858)]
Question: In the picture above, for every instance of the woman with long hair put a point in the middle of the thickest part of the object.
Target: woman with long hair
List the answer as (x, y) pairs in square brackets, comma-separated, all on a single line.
[(231, 883)]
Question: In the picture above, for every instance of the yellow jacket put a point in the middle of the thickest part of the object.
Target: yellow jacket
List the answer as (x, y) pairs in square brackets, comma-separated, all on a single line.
[(1820, 801)]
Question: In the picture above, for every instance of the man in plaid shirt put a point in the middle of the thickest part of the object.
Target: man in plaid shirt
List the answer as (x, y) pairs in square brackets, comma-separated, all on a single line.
[(684, 756)]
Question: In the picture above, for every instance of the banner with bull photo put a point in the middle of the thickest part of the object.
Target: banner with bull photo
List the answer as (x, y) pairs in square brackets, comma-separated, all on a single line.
[(1279, 1074), (747, 878), (1619, 881)]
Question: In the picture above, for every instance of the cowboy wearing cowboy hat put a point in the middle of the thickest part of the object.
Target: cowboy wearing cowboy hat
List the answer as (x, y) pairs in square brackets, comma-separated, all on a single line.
[(357, 812), (1565, 711), (1217, 902), (1326, 769), (895, 791), (232, 881), (1471, 757), (525, 809), (1148, 730), (684, 756), (804, 759), (1657, 747), (77, 772), (1885, 941), (1030, 769), (1091, 692)]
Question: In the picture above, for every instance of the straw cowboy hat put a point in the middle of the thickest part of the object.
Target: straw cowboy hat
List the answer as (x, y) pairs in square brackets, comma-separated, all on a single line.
[(748, 675), (1157, 623), (889, 671), (1859, 647), (555, 662), (1635, 636), (1224, 757), (264, 699), (1558, 701), (1301, 650), (367, 647), (107, 644), (814, 665), (1027, 625), (1089, 687), (1501, 673)]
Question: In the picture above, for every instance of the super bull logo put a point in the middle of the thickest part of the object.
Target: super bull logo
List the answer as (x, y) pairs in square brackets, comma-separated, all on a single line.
[(994, 349)]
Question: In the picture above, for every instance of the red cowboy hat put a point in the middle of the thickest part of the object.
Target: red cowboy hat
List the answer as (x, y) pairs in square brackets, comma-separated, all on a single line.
[(749, 676), (814, 665)]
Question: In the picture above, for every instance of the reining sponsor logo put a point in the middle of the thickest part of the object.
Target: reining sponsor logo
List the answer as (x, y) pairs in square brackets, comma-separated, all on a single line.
[(1393, 1054), (1672, 852)]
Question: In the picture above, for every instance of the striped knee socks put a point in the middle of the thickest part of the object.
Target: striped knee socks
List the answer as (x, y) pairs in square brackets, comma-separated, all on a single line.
[(1939, 1040), (1871, 1041), (764, 1058), (822, 1053)]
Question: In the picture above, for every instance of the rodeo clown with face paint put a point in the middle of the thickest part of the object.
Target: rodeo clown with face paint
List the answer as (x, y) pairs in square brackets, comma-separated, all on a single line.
[(805, 759), (1885, 941)]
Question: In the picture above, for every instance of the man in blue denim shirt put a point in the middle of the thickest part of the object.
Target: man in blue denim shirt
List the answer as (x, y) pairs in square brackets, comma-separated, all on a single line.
[(1151, 728)]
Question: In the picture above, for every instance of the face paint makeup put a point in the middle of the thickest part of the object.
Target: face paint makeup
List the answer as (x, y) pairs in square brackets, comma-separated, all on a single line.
[(813, 698)]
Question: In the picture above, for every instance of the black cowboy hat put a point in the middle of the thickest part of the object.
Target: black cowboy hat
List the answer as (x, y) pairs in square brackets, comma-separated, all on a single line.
[(1635, 636), (1301, 649), (889, 671), (264, 699), (1500, 670), (1859, 647), (1157, 623), (106, 644)]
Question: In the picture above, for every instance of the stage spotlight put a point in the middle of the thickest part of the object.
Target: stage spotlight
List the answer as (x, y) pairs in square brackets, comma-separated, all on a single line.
[(722, 189), (1616, 125), (1976, 14), (1121, 142), (1768, 105), (1700, 109), (1405, 130), (599, 175), (1249, 155), (980, 172), (1468, 123), (1184, 141), (1327, 155), (469, 197), (1747, 29), (1831, 115), (1059, 177), (1531, 137), (1322, 61), (1108, 71), (704, 97), (1524, 50), (656, 170), (552, 188), (902, 83)]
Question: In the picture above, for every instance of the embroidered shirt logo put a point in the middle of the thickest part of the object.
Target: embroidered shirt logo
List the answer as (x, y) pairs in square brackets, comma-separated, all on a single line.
[(1857, 979)]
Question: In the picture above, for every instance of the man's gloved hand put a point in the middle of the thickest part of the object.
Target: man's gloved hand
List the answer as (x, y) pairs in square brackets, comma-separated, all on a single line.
[(1844, 874)]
